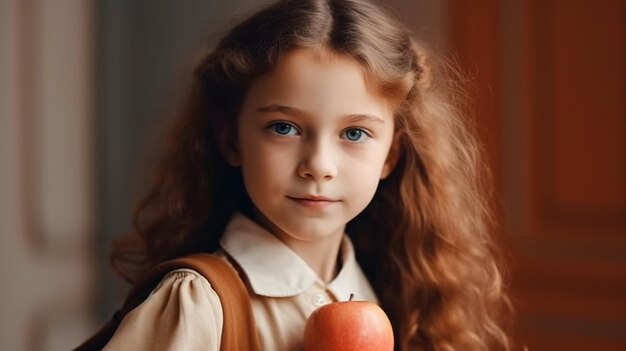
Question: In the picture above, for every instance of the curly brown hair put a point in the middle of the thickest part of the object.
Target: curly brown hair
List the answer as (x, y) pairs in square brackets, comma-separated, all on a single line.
[(425, 241)]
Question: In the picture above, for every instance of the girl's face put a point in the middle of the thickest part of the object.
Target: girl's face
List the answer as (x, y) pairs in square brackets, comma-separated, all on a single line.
[(313, 143)]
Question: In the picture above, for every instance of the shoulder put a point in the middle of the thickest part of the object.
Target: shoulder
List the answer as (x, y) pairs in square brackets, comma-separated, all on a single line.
[(182, 279), (182, 312), (184, 289)]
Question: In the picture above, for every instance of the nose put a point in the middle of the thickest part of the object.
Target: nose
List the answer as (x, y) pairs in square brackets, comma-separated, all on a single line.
[(318, 161)]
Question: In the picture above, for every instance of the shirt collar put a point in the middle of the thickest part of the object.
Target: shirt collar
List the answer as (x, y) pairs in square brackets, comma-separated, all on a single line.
[(274, 270)]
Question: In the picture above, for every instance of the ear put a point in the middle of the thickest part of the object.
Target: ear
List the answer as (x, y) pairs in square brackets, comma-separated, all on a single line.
[(392, 158), (229, 146)]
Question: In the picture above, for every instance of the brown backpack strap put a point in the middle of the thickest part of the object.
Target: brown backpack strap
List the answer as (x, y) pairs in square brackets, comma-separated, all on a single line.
[(239, 331), (239, 328)]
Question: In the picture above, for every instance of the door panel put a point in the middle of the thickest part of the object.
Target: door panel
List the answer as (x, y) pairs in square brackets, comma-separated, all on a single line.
[(555, 79)]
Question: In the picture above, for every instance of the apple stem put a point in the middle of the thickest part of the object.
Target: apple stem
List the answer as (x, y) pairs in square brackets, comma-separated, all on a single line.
[(351, 297)]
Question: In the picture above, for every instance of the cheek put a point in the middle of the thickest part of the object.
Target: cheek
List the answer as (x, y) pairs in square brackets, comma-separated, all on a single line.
[(264, 167), (363, 171), (367, 160), (266, 158)]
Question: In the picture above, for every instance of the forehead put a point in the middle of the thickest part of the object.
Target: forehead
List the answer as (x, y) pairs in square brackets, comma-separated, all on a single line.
[(321, 81), (317, 59)]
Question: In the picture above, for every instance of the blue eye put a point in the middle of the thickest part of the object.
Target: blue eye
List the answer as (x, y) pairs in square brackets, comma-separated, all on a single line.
[(283, 128), (355, 134)]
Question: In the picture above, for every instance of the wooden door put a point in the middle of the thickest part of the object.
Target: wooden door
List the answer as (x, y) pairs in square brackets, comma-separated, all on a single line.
[(551, 79)]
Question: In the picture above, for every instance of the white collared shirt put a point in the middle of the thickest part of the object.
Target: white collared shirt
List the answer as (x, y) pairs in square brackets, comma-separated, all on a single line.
[(184, 311)]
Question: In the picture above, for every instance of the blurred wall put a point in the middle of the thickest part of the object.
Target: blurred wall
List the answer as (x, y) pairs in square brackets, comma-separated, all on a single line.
[(47, 181)]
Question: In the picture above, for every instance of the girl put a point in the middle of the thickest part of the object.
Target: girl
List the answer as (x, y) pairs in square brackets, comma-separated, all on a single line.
[(322, 152)]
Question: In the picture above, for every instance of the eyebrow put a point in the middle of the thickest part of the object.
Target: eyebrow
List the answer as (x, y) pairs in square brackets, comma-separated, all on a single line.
[(292, 111)]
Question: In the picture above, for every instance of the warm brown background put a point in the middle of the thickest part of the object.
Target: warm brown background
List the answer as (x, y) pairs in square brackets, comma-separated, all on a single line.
[(551, 86), (83, 83)]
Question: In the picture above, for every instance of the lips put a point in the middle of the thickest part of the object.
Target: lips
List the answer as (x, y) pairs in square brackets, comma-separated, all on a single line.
[(313, 201), (312, 198)]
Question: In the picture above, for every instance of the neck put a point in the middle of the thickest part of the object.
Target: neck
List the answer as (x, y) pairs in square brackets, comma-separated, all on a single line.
[(319, 254)]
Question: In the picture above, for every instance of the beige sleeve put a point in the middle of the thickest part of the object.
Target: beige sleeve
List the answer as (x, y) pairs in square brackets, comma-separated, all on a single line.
[(182, 313)]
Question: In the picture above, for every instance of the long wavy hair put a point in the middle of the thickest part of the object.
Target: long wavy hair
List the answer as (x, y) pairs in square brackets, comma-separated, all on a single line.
[(425, 241)]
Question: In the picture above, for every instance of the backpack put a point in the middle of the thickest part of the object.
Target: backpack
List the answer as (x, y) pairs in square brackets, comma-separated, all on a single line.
[(239, 329)]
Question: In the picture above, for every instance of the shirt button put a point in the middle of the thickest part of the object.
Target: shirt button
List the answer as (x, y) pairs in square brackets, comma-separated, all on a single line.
[(320, 299)]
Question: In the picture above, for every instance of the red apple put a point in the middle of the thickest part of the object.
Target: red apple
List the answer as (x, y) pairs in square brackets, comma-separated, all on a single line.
[(348, 326)]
